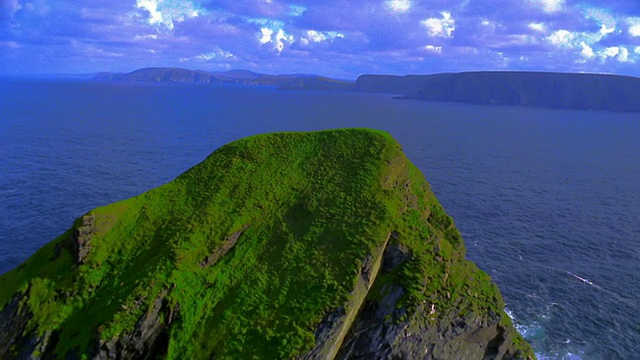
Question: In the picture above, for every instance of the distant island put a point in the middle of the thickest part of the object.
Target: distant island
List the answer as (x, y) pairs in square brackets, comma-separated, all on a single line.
[(320, 245), (241, 77), (532, 89)]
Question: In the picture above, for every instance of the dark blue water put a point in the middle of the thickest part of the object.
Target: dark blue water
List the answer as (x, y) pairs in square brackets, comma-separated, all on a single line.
[(539, 195)]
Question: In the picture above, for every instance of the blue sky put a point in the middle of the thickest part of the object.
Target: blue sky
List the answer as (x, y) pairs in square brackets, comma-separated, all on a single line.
[(339, 38)]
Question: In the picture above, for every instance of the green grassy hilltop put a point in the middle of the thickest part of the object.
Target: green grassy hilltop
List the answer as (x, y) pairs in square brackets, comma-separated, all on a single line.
[(276, 246)]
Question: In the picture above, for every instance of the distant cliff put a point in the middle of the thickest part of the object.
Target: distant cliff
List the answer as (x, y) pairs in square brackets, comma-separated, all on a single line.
[(536, 89), (244, 77), (322, 245)]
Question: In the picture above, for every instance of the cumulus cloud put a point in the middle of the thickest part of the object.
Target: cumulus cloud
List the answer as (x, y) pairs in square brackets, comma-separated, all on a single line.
[(537, 26), (440, 27), (611, 51), (562, 38), (433, 49), (623, 55), (265, 35), (328, 37), (619, 53), (587, 51), (280, 38), (634, 26), (275, 35), (400, 6), (313, 36), (166, 12)]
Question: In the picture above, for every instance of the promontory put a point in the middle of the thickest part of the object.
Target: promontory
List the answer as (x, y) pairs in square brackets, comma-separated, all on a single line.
[(320, 245)]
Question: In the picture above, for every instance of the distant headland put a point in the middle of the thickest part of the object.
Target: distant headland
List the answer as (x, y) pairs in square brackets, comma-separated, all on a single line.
[(532, 89)]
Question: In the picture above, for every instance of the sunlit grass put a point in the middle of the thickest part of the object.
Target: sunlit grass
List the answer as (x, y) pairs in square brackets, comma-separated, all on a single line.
[(310, 207)]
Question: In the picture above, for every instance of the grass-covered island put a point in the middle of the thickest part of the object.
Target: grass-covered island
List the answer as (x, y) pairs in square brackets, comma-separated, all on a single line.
[(316, 245)]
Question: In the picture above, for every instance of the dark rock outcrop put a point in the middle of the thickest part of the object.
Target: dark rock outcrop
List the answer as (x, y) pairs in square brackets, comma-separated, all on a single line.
[(80, 239), (148, 340), (14, 318), (384, 330)]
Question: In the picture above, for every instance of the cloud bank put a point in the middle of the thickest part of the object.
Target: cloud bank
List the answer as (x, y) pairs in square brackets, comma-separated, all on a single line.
[(340, 38)]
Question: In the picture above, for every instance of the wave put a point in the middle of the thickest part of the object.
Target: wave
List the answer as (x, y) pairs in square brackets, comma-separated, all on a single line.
[(535, 333)]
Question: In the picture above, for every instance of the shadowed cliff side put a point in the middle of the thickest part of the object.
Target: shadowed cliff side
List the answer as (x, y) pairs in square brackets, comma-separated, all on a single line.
[(536, 89)]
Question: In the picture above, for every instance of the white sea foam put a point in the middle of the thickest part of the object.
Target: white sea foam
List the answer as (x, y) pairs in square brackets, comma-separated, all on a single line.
[(535, 333)]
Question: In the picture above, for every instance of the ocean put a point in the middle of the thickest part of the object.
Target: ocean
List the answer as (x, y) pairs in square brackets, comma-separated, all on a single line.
[(547, 201)]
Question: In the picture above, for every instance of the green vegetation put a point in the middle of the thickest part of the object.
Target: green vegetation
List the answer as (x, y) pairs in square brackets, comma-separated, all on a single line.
[(306, 210)]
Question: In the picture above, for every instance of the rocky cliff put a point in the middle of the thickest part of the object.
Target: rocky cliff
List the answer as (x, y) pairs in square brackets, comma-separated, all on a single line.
[(322, 245)]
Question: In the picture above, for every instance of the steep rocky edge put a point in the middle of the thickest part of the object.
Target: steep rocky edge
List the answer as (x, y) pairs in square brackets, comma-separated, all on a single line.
[(321, 245), (533, 89)]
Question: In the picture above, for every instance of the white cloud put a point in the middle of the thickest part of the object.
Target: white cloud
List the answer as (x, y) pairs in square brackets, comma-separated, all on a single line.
[(587, 44), (604, 18), (443, 27), (604, 30), (620, 53), (314, 36), (435, 49), (265, 35), (637, 50), (167, 12), (562, 38), (540, 27), (548, 6), (217, 54), (587, 51), (485, 22), (145, 37), (275, 36), (623, 55), (634, 26), (399, 6), (155, 17), (280, 38), (611, 51)]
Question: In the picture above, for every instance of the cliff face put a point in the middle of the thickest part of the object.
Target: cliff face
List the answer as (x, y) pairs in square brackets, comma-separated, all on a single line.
[(322, 245), (536, 89)]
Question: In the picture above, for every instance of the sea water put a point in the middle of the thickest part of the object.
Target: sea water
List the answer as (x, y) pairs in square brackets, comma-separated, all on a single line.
[(547, 201)]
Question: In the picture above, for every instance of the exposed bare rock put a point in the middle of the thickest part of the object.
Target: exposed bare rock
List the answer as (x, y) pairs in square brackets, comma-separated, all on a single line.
[(224, 248), (80, 239)]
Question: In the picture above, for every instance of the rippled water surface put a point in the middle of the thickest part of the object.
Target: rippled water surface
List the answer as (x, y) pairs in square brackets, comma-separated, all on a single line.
[(548, 201)]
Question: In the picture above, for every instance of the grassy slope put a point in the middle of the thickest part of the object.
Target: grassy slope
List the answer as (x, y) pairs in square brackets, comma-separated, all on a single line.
[(314, 205)]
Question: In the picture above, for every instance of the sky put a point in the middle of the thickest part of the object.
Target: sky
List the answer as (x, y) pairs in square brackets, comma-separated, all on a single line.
[(337, 38)]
